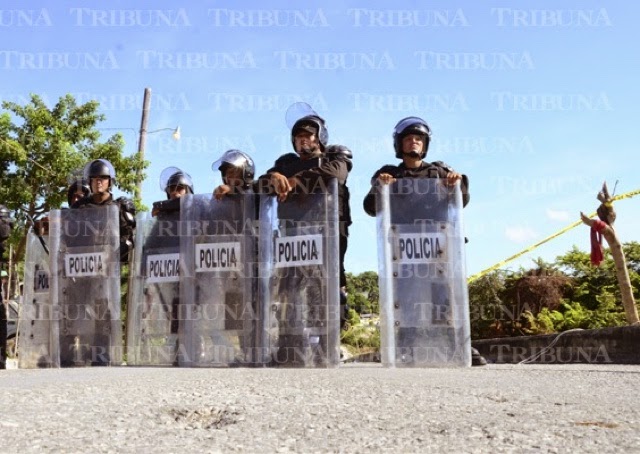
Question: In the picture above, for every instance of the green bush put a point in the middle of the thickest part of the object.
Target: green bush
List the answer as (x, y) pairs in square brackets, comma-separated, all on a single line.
[(362, 336)]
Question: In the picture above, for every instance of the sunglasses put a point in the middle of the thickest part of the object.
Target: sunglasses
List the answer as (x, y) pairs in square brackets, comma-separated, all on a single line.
[(177, 187)]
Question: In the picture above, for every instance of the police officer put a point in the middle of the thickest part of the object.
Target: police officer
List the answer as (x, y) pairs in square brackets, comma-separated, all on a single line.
[(175, 183), (6, 225), (315, 160), (411, 139), (237, 170), (78, 190), (101, 177)]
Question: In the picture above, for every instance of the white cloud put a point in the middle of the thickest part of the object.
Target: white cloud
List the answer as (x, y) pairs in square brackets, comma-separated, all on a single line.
[(557, 215), (520, 234)]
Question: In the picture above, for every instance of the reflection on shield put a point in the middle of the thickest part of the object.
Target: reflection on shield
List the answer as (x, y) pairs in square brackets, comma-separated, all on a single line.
[(154, 292), (218, 315), (36, 347), (85, 285), (299, 279), (423, 290)]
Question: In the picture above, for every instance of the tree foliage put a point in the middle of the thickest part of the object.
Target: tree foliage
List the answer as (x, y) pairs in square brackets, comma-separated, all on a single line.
[(362, 292), (569, 293), (42, 148)]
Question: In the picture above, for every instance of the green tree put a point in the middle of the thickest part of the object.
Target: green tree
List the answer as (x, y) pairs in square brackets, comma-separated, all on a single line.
[(486, 306), (43, 147), (596, 288), (363, 294), (502, 303), (552, 297)]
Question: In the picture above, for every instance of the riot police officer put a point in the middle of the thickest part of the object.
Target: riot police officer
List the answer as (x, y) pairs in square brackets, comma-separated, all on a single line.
[(158, 328), (237, 170), (175, 183), (101, 177), (315, 160), (6, 225), (77, 190), (411, 140)]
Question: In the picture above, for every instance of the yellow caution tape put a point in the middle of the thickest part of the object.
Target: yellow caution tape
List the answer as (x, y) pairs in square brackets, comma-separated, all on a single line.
[(549, 238)]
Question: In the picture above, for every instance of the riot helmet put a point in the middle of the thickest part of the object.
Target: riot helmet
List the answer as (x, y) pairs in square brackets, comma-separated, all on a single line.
[(312, 124), (239, 160), (4, 212), (299, 117), (80, 185), (173, 176), (100, 168), (411, 125)]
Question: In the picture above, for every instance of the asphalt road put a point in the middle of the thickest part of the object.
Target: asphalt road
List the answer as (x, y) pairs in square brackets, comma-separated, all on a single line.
[(356, 408)]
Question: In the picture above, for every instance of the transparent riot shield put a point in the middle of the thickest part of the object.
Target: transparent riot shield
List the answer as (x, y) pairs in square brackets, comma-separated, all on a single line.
[(424, 303), (85, 285), (36, 347), (218, 314), (154, 292), (299, 278)]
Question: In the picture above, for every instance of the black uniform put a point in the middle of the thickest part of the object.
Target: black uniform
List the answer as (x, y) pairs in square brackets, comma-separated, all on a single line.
[(334, 163), (127, 220), (6, 226), (436, 169)]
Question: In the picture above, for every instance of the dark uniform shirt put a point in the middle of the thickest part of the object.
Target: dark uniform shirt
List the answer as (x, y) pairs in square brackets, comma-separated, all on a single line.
[(436, 169), (309, 172)]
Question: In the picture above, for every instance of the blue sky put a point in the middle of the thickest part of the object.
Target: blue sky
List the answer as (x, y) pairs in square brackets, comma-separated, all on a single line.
[(536, 103)]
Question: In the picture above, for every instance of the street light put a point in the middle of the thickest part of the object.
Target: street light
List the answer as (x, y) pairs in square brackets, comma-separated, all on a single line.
[(141, 146), (175, 134)]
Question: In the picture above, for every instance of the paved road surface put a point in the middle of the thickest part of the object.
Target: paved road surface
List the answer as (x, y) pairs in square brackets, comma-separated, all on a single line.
[(356, 408)]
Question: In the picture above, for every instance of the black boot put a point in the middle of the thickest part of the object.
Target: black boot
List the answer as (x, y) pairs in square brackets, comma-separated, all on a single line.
[(344, 309), (3, 334), (477, 359)]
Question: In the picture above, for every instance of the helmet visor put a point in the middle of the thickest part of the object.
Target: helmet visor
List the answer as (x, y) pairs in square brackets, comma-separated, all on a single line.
[(236, 158), (407, 123), (173, 176), (298, 111)]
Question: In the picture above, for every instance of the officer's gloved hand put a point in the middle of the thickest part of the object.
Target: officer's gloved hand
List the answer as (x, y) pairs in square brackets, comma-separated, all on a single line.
[(165, 206)]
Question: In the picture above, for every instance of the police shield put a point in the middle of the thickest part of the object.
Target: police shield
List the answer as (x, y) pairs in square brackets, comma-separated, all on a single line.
[(154, 292), (299, 278), (423, 291), (218, 316), (85, 285), (36, 347)]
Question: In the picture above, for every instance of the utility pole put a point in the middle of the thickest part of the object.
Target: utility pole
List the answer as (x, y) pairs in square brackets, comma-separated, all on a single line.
[(142, 140)]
